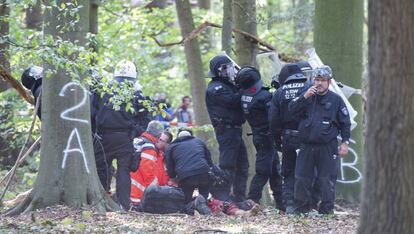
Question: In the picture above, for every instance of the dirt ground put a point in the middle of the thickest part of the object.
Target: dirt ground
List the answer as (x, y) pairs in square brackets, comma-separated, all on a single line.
[(63, 219)]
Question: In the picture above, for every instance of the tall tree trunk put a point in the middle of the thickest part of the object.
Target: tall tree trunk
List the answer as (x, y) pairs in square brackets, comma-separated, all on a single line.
[(93, 22), (387, 201), (226, 31), (194, 63), (204, 4), (338, 37), (207, 39), (67, 173), (4, 46), (244, 15), (34, 16), (300, 23)]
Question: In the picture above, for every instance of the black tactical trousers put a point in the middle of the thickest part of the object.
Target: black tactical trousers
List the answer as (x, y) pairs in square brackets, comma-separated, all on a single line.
[(201, 181), (233, 159), (316, 164), (116, 145), (290, 144), (267, 168)]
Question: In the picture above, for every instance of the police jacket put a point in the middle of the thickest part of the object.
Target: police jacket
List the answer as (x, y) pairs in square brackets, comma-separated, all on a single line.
[(150, 171), (322, 118), (187, 156), (223, 103), (279, 116), (256, 110), (105, 119)]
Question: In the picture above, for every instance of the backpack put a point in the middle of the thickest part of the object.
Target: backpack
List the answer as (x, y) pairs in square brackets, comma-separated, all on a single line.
[(140, 144), (162, 200)]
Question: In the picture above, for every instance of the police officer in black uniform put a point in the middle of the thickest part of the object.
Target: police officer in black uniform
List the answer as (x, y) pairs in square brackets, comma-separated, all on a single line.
[(32, 79), (226, 115), (115, 130), (284, 127), (323, 116), (255, 102)]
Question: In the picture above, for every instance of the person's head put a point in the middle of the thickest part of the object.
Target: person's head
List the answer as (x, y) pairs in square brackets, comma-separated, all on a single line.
[(164, 140), (31, 75), (125, 70), (322, 79), (291, 72), (306, 68), (186, 101), (222, 67), (182, 132), (155, 128), (249, 80)]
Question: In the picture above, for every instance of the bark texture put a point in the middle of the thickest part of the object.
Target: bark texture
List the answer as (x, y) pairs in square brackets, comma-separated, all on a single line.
[(67, 173), (388, 194), (194, 63), (4, 46)]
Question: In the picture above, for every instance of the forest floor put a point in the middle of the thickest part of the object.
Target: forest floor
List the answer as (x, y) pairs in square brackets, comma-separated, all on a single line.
[(62, 219)]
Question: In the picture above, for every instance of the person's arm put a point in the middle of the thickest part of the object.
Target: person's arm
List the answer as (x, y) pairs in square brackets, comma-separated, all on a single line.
[(223, 95), (169, 162), (207, 154), (148, 166), (345, 127), (298, 105), (275, 117)]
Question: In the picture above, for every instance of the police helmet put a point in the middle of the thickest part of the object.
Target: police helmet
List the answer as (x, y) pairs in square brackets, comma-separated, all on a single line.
[(322, 72), (31, 76), (290, 72), (306, 68), (248, 79), (125, 70), (216, 64)]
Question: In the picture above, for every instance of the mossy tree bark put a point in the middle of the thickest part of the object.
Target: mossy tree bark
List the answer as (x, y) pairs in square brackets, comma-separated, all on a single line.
[(338, 37), (67, 173)]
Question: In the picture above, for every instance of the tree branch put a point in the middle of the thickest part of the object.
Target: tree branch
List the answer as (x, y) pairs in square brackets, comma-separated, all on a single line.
[(204, 26), (16, 85)]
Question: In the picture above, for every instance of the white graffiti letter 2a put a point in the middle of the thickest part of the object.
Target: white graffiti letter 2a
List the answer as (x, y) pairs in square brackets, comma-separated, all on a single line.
[(69, 150)]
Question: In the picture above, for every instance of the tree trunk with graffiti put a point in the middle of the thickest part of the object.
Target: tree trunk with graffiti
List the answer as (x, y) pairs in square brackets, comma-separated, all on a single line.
[(338, 41), (67, 173)]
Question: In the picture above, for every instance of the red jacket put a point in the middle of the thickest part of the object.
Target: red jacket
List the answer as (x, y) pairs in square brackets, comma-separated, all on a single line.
[(151, 170)]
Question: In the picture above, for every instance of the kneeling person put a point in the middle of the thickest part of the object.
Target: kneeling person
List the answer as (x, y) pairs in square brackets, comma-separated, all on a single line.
[(188, 159)]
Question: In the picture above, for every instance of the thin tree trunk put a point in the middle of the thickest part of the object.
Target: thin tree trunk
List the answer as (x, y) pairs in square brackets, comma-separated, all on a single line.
[(244, 15), (93, 22), (204, 4), (387, 201), (226, 31), (34, 16), (194, 63), (67, 173), (338, 38), (4, 46)]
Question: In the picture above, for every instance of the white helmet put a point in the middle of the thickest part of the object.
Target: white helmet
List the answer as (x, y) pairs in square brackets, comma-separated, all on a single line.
[(125, 69)]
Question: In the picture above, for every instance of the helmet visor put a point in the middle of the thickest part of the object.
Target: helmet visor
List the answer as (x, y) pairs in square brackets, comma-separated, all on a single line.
[(227, 70), (36, 72)]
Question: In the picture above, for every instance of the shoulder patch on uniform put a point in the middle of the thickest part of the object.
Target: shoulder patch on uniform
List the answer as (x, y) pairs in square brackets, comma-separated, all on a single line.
[(218, 87), (344, 110)]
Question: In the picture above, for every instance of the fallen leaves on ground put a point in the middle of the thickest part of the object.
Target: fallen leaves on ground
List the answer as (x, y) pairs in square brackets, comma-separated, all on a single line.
[(64, 219)]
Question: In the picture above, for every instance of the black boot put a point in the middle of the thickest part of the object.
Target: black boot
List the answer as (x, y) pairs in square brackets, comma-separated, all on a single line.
[(200, 204)]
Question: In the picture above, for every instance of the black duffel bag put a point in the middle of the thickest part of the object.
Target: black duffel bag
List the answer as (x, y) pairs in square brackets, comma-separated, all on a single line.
[(162, 200)]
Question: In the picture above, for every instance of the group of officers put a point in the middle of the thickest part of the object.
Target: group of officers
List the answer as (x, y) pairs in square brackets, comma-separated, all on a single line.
[(302, 119)]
